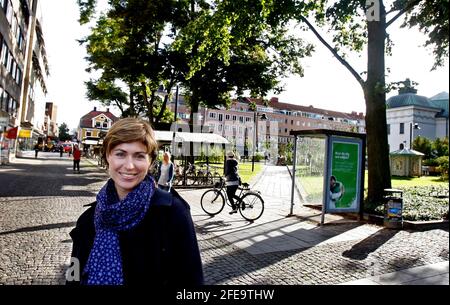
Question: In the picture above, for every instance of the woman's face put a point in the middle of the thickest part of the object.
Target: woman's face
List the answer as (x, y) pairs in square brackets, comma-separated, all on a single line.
[(166, 158), (128, 166)]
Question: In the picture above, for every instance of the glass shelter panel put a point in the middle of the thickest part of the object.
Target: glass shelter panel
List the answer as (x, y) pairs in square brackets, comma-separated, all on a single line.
[(310, 168)]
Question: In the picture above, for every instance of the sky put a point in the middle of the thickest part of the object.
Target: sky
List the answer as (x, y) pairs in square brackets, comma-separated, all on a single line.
[(326, 84)]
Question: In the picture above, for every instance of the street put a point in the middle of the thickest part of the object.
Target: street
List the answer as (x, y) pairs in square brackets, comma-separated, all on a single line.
[(40, 200)]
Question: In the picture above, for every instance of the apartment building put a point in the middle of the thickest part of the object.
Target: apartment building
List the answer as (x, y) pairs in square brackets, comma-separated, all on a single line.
[(23, 73), (237, 123)]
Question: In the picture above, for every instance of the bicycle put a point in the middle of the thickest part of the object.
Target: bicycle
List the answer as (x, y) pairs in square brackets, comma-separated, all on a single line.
[(249, 203)]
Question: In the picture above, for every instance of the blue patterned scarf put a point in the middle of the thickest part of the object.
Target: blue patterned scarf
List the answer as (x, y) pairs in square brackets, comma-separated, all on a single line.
[(104, 265)]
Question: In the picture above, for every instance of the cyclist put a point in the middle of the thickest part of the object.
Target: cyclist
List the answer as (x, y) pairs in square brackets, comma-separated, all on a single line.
[(232, 179)]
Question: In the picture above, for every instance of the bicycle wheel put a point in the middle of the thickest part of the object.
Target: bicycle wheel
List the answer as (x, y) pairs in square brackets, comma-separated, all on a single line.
[(251, 206), (212, 202)]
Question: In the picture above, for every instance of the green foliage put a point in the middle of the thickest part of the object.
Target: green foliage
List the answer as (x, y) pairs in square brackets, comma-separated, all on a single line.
[(440, 147), (423, 145), (443, 166), (64, 132)]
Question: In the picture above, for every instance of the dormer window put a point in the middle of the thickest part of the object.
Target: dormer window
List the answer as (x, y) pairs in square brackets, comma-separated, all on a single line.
[(97, 124)]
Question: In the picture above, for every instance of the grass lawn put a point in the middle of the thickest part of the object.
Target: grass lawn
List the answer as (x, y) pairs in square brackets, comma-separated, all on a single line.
[(411, 181)]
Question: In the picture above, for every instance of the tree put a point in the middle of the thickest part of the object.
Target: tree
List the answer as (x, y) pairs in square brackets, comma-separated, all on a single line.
[(359, 23), (64, 132), (423, 145), (440, 147)]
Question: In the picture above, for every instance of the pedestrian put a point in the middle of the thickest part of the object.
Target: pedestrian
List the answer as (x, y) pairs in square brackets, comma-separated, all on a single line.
[(165, 173), (61, 151), (36, 150), (76, 158), (232, 179), (135, 233)]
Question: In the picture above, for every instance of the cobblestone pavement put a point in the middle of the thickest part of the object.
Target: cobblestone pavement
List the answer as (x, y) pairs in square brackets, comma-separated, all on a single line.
[(40, 199)]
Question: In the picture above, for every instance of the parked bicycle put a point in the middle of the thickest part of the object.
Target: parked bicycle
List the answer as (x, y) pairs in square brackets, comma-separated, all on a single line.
[(249, 202)]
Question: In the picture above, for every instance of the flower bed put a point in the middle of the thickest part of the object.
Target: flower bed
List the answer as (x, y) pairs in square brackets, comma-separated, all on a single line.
[(422, 203)]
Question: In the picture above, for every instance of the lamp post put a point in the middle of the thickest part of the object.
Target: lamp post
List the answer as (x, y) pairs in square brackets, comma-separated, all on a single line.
[(416, 126), (175, 117), (255, 144)]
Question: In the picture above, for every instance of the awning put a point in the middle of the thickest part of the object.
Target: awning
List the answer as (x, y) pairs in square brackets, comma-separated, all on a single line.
[(195, 137), (90, 142)]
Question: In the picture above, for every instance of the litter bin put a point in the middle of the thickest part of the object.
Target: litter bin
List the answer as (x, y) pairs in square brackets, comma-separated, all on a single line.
[(393, 207)]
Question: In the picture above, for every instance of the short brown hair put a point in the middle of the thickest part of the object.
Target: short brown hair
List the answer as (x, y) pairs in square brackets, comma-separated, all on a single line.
[(129, 130)]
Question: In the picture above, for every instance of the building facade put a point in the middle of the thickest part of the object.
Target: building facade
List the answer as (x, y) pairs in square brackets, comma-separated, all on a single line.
[(93, 126), (274, 121), (23, 72), (410, 115)]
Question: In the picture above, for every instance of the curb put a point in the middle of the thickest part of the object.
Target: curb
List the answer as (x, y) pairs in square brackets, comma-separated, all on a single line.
[(409, 224)]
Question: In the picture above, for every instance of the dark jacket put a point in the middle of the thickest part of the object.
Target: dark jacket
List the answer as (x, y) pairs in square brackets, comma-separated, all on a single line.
[(161, 250), (231, 170)]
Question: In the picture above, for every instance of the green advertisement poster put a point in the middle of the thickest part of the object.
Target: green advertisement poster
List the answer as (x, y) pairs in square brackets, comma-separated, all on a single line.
[(344, 181)]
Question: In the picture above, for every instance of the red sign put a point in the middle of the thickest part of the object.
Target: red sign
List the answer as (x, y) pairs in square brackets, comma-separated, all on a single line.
[(12, 133)]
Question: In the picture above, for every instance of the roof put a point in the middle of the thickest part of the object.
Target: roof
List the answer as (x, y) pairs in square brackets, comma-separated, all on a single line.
[(292, 107), (167, 136), (86, 120), (440, 100), (407, 152), (319, 133), (440, 96), (408, 99)]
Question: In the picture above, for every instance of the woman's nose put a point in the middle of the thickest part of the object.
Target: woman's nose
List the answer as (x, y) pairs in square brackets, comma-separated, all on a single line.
[(129, 163)]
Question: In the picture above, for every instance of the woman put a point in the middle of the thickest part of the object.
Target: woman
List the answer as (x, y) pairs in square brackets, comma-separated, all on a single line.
[(135, 233), (232, 179), (165, 173)]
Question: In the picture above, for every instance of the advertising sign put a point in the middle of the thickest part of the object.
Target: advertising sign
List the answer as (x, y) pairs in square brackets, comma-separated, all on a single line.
[(344, 180), (25, 133)]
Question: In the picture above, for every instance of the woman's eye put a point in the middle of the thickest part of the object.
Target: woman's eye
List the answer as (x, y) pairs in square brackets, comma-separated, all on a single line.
[(141, 157), (120, 154)]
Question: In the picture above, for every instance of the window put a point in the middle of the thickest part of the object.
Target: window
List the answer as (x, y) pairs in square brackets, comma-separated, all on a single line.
[(241, 119), (1, 98), (402, 146), (220, 117), (97, 124), (105, 125), (402, 128), (9, 12), (234, 118), (388, 129), (88, 133), (227, 117), (248, 119), (5, 54)]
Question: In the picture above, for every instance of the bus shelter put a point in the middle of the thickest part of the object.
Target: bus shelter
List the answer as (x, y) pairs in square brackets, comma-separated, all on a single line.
[(328, 170)]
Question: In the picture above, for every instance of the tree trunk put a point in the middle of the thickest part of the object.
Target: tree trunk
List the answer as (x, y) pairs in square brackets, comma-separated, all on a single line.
[(375, 96), (131, 111)]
